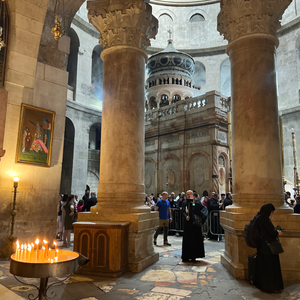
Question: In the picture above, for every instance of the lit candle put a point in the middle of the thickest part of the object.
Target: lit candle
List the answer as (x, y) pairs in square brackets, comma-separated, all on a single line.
[(17, 250), (43, 254), (21, 252), (51, 261), (56, 252), (29, 252), (55, 245), (25, 251), (37, 248), (46, 248)]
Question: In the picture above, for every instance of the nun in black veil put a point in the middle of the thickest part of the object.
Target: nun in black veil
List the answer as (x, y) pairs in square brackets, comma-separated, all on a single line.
[(268, 276)]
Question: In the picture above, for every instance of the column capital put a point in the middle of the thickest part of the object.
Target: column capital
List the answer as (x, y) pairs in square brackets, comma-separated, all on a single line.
[(241, 19), (123, 22)]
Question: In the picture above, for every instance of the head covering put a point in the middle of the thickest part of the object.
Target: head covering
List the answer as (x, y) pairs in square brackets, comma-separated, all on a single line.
[(205, 193), (267, 209)]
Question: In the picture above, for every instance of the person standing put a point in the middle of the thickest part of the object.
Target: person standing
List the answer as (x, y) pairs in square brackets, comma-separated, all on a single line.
[(192, 242), (70, 218), (228, 200), (214, 219), (268, 276), (164, 209), (297, 206)]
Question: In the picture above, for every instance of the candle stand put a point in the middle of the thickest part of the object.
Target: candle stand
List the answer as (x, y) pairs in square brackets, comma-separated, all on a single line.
[(33, 266)]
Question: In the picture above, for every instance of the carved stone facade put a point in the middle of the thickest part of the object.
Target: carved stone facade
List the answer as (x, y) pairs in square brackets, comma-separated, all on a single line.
[(184, 144)]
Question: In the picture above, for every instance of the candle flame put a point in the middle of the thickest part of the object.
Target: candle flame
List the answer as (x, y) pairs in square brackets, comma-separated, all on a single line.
[(18, 244), (37, 241), (32, 245), (54, 243), (25, 247), (29, 248), (56, 258), (51, 261), (22, 247), (49, 249), (43, 248), (45, 242)]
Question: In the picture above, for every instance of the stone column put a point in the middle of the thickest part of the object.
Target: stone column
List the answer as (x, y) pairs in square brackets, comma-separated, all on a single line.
[(125, 28), (250, 28)]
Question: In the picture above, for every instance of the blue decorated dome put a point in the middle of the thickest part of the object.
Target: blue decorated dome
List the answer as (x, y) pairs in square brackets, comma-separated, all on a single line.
[(170, 60)]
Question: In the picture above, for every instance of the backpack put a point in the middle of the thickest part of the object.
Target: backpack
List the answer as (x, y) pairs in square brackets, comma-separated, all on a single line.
[(251, 233)]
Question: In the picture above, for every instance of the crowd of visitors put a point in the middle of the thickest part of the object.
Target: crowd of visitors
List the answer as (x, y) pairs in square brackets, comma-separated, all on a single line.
[(67, 213)]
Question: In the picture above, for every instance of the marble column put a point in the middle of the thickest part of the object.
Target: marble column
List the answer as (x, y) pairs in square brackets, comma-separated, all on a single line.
[(125, 28), (250, 28)]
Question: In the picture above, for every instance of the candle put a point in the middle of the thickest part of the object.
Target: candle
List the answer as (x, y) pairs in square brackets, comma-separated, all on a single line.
[(21, 252), (43, 254), (51, 261), (55, 245), (46, 247), (37, 248), (25, 251), (29, 252), (17, 250)]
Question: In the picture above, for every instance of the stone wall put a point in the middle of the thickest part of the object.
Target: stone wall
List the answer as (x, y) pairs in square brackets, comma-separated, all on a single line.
[(183, 143)]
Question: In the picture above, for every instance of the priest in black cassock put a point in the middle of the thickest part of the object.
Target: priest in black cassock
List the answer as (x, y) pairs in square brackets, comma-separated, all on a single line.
[(192, 242)]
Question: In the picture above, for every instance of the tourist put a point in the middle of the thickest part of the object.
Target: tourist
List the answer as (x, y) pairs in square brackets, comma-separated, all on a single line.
[(192, 242), (172, 203), (80, 205), (63, 202), (164, 209), (297, 206), (149, 202), (86, 196), (90, 202), (60, 224), (70, 212), (76, 199), (204, 200), (228, 200), (214, 219), (181, 199), (268, 272)]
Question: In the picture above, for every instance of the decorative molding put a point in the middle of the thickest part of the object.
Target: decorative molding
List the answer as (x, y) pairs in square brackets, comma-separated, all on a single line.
[(123, 23), (149, 143), (197, 134), (243, 18), (170, 140)]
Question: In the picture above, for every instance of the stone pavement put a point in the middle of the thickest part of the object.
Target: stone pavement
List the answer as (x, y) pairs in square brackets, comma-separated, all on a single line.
[(168, 279)]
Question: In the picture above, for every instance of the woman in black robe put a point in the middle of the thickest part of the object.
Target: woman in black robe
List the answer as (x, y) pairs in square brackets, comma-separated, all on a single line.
[(192, 242), (268, 272)]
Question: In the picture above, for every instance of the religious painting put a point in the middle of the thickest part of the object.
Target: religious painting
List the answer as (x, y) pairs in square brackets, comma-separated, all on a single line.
[(35, 136)]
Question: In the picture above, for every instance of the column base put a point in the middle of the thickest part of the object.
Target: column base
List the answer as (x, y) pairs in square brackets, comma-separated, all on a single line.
[(235, 257), (141, 226)]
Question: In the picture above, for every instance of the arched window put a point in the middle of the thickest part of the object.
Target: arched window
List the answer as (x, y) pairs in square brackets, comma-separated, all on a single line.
[(67, 163), (97, 76), (199, 76), (197, 18), (152, 103), (95, 137), (221, 161), (73, 59), (4, 37), (176, 98), (164, 101), (225, 79)]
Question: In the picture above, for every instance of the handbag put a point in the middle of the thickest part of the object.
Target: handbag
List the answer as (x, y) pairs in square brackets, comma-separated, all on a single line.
[(275, 247), (203, 213)]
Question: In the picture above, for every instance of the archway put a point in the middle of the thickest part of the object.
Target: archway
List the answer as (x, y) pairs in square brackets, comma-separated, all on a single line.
[(67, 163)]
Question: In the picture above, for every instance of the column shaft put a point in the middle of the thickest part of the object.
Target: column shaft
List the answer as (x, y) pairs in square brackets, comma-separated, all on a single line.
[(257, 174)]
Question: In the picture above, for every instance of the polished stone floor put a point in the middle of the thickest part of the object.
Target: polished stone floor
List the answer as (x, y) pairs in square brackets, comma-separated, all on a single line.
[(168, 279)]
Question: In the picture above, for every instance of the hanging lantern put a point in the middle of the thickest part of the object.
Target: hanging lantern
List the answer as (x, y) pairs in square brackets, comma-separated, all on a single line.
[(56, 30)]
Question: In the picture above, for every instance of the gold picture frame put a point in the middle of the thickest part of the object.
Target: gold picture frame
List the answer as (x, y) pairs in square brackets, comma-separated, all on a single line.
[(35, 136)]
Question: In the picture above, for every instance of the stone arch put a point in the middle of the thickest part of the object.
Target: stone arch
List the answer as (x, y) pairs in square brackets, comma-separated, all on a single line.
[(170, 156), (68, 154), (95, 136), (167, 12), (73, 60), (199, 171), (225, 77), (196, 11), (196, 18), (223, 171)]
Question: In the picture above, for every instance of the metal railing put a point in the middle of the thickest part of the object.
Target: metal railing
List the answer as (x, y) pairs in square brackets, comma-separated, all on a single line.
[(211, 226)]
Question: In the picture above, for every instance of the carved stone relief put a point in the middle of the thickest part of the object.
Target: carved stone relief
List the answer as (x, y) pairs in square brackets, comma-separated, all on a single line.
[(199, 174)]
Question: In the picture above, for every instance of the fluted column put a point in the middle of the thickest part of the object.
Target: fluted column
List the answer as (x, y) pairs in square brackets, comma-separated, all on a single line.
[(250, 27), (125, 28)]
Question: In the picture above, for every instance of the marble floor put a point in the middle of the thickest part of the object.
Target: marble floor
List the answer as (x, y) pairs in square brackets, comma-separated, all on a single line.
[(168, 279)]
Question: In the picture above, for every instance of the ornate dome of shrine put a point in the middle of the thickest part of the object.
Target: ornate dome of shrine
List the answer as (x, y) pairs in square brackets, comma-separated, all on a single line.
[(170, 60)]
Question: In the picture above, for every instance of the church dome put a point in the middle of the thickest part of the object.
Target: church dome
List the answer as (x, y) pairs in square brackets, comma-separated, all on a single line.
[(170, 60)]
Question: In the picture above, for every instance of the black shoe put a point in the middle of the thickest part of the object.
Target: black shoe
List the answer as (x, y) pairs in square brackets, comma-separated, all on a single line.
[(167, 244), (154, 242)]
